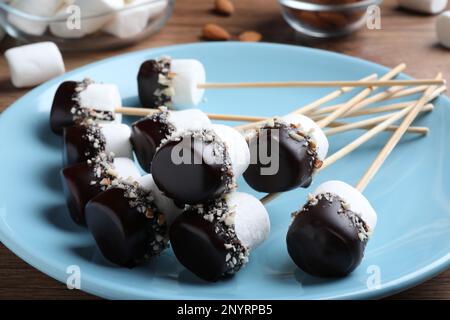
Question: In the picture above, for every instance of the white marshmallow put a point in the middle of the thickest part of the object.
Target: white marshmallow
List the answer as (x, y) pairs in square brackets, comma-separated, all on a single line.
[(133, 20), (237, 148), (424, 6), (164, 204), (356, 201), (117, 137), (188, 74), (126, 169), (251, 220), (35, 63), (312, 129), (117, 118), (94, 15), (41, 8), (100, 96), (188, 120), (443, 29)]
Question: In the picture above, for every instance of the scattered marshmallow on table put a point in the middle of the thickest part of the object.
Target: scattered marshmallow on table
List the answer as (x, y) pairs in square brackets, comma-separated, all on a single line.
[(134, 18), (424, 6), (102, 11), (41, 8), (33, 64), (443, 28)]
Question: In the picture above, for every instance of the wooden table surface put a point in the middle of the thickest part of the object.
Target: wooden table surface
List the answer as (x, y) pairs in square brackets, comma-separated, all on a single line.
[(404, 37)]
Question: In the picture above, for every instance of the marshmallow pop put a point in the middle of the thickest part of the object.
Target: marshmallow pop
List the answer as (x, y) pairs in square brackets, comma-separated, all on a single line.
[(149, 132), (76, 101), (328, 236), (127, 223), (171, 82), (214, 240), (83, 181), (201, 165), (294, 147), (89, 138)]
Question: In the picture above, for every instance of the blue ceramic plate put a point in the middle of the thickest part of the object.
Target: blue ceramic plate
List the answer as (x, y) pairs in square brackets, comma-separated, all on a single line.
[(411, 193)]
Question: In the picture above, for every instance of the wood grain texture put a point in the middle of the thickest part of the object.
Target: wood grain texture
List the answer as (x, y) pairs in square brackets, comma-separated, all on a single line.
[(404, 37)]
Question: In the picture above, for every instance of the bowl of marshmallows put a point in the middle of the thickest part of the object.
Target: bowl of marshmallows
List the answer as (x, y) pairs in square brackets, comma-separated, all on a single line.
[(84, 24)]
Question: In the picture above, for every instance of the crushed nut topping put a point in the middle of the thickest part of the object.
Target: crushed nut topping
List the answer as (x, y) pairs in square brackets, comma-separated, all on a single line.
[(222, 216)]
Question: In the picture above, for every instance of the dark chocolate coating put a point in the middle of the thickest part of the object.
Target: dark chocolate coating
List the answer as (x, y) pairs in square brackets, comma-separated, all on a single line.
[(323, 241), (189, 183), (60, 114), (197, 246), (76, 181), (296, 165), (146, 136), (121, 232), (148, 83), (77, 149)]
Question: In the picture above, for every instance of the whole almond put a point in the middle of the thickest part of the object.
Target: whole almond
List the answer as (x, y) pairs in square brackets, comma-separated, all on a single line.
[(212, 31), (224, 7), (250, 36)]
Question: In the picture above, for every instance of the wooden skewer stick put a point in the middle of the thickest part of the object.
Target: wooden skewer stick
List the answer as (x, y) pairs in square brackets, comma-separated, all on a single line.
[(350, 105), (384, 153), (375, 110), (270, 197), (363, 104), (365, 123), (329, 97), (411, 113), (320, 84), (365, 137), (419, 130), (142, 112), (311, 106)]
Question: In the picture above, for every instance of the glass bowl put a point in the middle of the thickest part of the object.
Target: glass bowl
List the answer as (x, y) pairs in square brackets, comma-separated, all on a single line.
[(73, 30), (326, 18)]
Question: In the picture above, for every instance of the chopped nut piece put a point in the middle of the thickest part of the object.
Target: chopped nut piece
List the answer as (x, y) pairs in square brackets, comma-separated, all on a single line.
[(318, 164), (161, 219), (149, 213)]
